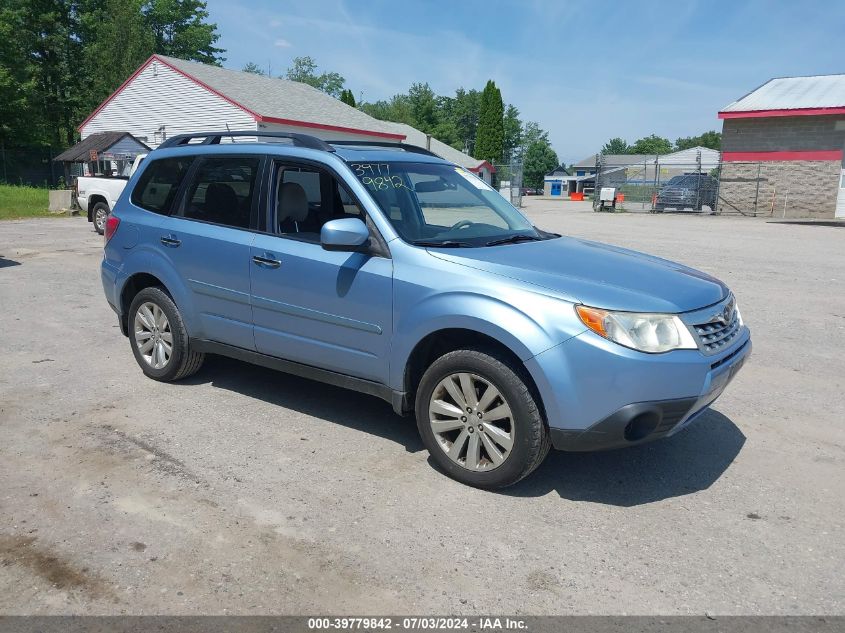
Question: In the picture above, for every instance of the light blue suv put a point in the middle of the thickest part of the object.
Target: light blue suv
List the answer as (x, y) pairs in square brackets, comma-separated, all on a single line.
[(387, 270)]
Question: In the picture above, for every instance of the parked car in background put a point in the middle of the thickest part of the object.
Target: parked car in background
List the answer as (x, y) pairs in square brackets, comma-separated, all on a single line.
[(385, 269), (97, 195), (690, 191)]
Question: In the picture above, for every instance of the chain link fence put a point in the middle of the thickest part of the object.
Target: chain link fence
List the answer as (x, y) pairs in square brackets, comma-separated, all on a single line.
[(771, 189), (31, 166), (508, 180), (650, 184)]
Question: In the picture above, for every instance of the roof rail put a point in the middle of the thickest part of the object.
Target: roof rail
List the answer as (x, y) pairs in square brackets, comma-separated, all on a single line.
[(408, 148), (213, 138)]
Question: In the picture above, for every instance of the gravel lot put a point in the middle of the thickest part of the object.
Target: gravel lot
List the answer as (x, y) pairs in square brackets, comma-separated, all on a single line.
[(245, 491)]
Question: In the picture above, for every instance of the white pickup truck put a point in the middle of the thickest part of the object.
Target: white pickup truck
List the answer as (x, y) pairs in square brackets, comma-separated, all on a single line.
[(97, 195)]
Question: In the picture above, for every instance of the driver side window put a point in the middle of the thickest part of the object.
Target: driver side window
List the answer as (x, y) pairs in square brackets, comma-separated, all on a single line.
[(306, 198)]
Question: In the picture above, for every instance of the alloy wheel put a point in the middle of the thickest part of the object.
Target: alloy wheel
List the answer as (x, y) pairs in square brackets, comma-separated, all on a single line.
[(153, 336), (471, 421)]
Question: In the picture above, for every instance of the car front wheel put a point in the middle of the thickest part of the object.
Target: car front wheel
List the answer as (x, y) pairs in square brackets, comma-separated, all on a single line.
[(479, 420), (159, 339)]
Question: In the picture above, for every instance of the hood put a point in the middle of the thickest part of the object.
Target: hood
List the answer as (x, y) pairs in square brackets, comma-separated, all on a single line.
[(596, 274)]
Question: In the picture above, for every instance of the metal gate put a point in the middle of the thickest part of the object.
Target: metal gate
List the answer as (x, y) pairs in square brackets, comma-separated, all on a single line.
[(658, 183)]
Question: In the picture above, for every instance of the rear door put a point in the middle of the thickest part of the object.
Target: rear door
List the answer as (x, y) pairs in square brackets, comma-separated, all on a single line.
[(326, 309), (208, 240)]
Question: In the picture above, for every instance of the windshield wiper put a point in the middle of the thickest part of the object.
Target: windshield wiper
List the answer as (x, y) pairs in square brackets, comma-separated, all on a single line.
[(513, 239), (443, 244)]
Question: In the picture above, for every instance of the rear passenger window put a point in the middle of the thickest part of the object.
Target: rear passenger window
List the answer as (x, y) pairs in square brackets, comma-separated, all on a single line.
[(158, 185), (222, 191)]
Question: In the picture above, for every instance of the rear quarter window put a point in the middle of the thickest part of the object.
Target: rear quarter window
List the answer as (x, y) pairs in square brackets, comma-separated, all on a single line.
[(159, 183)]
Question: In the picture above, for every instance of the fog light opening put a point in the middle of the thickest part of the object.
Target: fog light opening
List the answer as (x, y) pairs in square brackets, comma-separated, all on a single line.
[(641, 426)]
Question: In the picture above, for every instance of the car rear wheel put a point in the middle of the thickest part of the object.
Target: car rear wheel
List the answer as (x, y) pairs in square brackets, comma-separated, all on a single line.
[(158, 337), (479, 420), (99, 215)]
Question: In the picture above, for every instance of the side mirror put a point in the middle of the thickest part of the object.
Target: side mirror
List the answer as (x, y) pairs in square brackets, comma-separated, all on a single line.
[(348, 234)]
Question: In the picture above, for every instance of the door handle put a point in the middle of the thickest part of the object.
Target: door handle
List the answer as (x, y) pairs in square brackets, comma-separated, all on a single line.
[(170, 240), (266, 262)]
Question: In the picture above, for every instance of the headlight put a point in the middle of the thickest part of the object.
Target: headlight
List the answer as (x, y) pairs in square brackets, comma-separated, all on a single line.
[(652, 333)]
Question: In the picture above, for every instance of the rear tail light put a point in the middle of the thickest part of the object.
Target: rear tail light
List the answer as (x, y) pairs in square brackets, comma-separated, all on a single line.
[(111, 227)]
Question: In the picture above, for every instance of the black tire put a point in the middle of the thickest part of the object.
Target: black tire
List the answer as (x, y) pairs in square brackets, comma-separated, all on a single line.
[(531, 438), (183, 362), (99, 215)]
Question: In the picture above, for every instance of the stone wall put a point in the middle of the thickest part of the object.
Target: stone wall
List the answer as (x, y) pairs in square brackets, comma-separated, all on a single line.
[(808, 188)]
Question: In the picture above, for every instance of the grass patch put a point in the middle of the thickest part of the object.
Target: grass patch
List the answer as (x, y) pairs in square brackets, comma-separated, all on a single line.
[(23, 202)]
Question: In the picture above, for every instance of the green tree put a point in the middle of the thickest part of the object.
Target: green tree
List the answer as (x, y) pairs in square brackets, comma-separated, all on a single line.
[(397, 109), (489, 140), (304, 70), (538, 160), (512, 129), (651, 144), (711, 139), (60, 58), (46, 55), (180, 29), (16, 88), (115, 41), (347, 97), (532, 133), (423, 104), (464, 116), (253, 68), (616, 145)]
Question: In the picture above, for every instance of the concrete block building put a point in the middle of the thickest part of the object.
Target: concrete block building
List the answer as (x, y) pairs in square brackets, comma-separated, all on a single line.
[(782, 149)]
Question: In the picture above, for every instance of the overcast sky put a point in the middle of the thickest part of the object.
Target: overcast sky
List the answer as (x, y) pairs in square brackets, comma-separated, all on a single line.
[(586, 71)]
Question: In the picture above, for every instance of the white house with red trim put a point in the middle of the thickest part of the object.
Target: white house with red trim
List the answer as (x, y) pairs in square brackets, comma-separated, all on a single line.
[(168, 96), (782, 148)]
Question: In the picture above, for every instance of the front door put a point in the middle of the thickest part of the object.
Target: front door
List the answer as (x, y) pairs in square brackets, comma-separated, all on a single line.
[(208, 241), (326, 309), (840, 199)]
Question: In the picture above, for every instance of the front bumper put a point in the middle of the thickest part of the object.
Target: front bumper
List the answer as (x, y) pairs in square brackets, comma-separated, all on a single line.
[(598, 395)]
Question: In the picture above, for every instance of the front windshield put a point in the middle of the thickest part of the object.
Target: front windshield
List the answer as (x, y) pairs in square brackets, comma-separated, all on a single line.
[(442, 205)]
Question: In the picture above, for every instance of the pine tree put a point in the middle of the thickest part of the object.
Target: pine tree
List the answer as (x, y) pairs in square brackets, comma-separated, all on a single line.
[(489, 142), (347, 97)]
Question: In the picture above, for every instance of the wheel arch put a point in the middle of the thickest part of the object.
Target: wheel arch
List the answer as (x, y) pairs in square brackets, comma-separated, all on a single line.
[(442, 341), (133, 285), (93, 199), (149, 270), (144, 266)]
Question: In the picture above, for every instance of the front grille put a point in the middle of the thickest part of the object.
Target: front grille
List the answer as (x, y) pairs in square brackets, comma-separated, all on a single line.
[(717, 333)]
